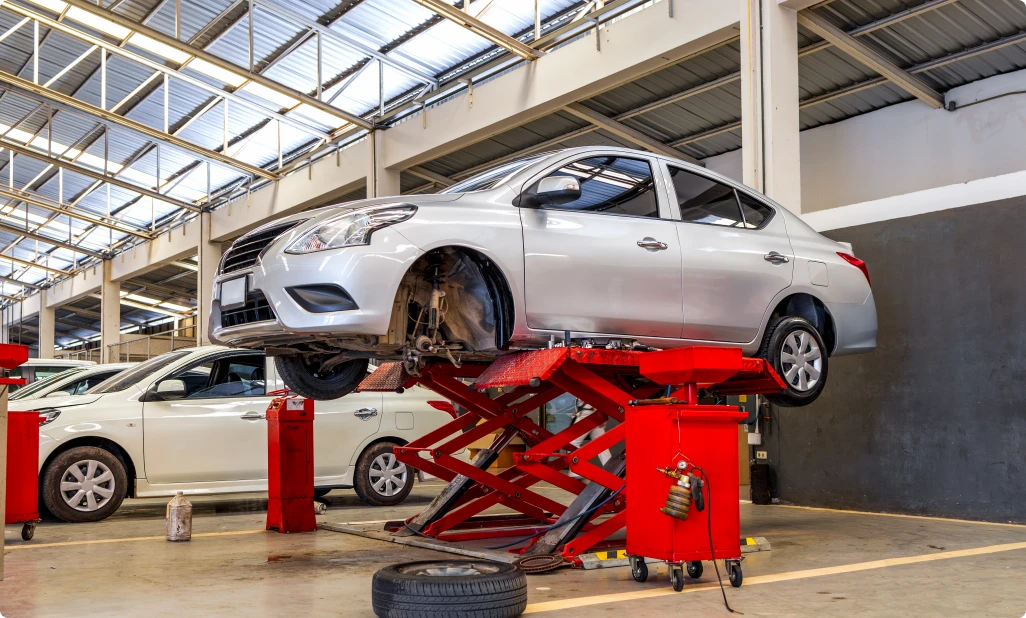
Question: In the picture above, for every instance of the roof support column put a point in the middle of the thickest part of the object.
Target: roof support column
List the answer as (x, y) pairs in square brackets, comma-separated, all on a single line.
[(110, 314), (771, 151), (381, 181), (47, 328), (209, 255)]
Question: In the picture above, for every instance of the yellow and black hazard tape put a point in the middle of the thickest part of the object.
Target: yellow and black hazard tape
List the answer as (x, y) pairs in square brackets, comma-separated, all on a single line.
[(618, 554)]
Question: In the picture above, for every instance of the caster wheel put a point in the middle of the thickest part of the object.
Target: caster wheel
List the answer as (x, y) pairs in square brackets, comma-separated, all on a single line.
[(695, 569), (677, 578), (28, 531), (734, 574), (639, 570)]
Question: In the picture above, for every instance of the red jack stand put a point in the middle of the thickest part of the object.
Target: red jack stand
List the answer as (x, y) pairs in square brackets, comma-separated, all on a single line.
[(614, 382), (290, 465)]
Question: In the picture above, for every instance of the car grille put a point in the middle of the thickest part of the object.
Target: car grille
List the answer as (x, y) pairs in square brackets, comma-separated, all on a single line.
[(245, 251), (256, 309)]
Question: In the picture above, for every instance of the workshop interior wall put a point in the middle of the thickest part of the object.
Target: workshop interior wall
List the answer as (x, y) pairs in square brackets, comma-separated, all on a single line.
[(934, 421)]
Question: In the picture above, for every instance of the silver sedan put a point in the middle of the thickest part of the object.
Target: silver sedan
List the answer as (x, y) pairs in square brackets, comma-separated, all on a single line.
[(608, 245)]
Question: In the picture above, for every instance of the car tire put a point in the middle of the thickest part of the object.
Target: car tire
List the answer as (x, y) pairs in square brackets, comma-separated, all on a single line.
[(449, 589), (305, 382), (89, 501), (792, 338), (381, 479)]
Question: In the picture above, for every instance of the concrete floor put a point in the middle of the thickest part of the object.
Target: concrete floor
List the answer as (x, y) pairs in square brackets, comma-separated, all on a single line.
[(823, 563)]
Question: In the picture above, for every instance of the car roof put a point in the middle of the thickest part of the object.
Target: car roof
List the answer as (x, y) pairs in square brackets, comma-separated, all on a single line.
[(56, 362)]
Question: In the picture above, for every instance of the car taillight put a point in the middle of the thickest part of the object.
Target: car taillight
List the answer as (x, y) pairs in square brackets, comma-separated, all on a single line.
[(857, 263), (444, 406)]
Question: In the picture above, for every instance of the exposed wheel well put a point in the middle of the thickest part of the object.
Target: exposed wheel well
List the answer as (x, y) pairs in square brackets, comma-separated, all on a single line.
[(475, 277), (107, 445), (812, 309)]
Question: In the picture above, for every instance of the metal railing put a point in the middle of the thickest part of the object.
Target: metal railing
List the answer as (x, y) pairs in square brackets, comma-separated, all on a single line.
[(148, 346), (90, 354)]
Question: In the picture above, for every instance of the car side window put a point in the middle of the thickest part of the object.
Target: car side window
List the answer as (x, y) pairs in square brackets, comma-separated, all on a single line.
[(703, 200), (756, 213), (234, 376), (613, 185)]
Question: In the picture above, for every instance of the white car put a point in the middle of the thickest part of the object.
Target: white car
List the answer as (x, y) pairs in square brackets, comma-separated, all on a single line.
[(191, 420), (74, 381), (41, 368), (594, 243)]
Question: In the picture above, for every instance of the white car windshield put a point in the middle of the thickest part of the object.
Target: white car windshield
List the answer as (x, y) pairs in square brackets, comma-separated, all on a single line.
[(29, 391), (493, 177), (136, 374)]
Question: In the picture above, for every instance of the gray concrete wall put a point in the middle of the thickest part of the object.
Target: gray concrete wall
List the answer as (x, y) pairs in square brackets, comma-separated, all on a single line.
[(934, 421)]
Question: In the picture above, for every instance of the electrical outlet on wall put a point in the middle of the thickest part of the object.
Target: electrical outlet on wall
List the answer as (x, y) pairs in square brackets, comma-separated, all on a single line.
[(761, 455)]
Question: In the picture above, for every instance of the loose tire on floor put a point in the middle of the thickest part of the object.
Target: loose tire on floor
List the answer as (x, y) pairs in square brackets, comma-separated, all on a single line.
[(108, 484), (449, 589), (302, 378), (381, 479), (806, 378)]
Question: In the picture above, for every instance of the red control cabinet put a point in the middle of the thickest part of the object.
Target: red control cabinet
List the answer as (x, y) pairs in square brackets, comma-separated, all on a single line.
[(290, 465), (23, 471), (660, 437)]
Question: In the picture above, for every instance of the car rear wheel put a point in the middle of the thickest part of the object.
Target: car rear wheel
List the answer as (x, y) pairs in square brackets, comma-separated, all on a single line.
[(795, 349), (85, 483), (381, 479), (303, 376)]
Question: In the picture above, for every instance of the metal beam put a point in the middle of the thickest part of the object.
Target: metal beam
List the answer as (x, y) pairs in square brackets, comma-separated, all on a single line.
[(217, 61), (66, 209), (63, 100), (117, 50), (34, 286), (632, 135), (480, 28), (871, 58), (7, 258), (50, 241), (88, 173), (427, 174)]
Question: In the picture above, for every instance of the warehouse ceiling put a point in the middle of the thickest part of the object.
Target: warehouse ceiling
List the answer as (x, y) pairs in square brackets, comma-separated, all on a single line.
[(111, 148)]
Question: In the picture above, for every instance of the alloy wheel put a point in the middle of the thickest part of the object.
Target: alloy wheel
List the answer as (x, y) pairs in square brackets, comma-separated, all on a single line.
[(801, 360), (87, 485), (388, 475)]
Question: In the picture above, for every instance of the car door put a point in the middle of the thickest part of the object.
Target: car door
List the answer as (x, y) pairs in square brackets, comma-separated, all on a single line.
[(734, 261), (608, 262), (214, 433), (340, 427)]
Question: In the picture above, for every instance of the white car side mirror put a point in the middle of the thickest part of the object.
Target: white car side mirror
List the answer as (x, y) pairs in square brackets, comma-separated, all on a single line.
[(58, 394), (552, 191), (170, 389)]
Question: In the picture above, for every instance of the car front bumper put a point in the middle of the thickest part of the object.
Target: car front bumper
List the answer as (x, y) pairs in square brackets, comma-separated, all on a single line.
[(370, 274)]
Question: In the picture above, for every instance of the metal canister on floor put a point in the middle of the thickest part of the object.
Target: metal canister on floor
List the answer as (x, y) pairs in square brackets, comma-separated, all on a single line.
[(179, 519)]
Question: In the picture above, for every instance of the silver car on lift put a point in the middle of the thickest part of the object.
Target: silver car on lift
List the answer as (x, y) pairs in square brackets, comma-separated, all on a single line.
[(606, 243)]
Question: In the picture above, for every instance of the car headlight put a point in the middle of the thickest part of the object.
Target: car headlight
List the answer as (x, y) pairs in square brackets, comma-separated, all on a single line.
[(48, 415), (352, 228)]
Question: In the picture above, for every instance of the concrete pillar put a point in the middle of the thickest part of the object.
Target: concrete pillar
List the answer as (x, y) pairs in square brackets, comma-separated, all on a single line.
[(47, 327), (381, 181), (771, 151), (110, 314), (209, 254)]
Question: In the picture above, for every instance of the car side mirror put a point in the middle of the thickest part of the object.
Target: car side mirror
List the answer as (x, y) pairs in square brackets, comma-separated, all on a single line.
[(552, 191), (169, 389), (59, 394)]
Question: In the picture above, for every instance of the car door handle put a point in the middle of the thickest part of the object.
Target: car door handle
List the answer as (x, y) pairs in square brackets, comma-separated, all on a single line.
[(366, 413), (253, 416), (651, 243), (776, 258)]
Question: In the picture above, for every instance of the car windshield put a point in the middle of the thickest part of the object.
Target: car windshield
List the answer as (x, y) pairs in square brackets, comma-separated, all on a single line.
[(493, 177), (29, 391), (136, 374)]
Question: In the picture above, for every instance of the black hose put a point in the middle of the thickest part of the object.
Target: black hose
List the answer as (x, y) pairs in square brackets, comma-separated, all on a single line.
[(712, 551)]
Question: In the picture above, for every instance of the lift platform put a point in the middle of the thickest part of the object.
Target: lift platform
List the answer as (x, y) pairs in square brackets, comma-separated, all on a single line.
[(617, 383)]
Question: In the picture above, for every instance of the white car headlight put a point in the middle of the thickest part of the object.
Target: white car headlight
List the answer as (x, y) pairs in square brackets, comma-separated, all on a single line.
[(48, 415), (352, 228)]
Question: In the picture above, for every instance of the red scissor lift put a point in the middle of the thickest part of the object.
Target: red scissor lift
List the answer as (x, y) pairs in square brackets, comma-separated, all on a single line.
[(614, 382)]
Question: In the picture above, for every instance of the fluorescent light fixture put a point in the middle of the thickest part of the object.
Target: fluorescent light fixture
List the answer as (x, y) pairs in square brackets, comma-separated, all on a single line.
[(96, 22), (319, 116), (156, 47), (54, 5), (142, 299), (174, 307), (210, 70), (273, 96)]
